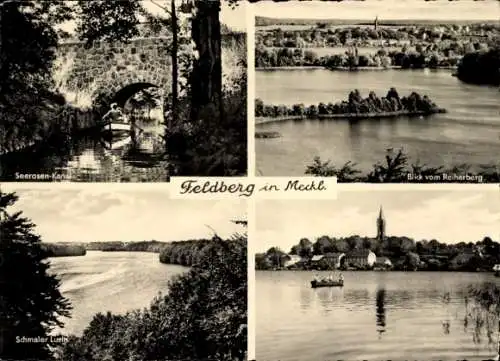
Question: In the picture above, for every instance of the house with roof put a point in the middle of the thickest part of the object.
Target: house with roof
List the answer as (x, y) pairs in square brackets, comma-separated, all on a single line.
[(292, 260), (360, 258), (328, 261), (383, 262), (315, 260), (333, 260)]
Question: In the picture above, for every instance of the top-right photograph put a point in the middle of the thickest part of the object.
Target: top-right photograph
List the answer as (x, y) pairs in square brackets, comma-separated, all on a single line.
[(378, 92)]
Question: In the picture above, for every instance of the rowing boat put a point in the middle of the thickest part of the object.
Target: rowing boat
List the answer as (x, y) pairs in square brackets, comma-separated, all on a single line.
[(327, 283), (115, 126)]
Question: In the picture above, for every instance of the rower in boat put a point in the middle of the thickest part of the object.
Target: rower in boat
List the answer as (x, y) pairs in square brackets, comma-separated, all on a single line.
[(114, 115)]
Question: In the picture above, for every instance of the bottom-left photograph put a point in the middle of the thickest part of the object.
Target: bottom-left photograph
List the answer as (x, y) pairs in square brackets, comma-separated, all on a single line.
[(96, 274)]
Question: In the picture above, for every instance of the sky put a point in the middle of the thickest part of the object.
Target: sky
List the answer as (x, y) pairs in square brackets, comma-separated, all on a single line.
[(235, 18), (384, 9), (449, 217), (232, 17), (102, 214)]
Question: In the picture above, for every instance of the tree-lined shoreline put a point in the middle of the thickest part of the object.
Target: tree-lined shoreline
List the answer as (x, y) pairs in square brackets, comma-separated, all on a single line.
[(470, 47), (356, 107), (404, 254)]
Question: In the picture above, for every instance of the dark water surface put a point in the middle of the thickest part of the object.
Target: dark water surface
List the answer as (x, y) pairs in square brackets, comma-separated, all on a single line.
[(110, 281), (94, 157), (469, 133), (376, 316)]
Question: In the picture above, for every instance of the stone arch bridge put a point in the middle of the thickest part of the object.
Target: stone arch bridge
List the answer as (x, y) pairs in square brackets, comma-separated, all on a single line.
[(114, 71)]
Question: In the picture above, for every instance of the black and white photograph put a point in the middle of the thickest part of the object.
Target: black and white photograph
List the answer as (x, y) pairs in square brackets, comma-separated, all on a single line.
[(122, 91), (379, 275), (378, 91), (121, 275)]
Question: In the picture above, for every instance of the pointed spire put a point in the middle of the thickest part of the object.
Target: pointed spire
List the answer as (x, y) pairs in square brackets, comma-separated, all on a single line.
[(381, 213)]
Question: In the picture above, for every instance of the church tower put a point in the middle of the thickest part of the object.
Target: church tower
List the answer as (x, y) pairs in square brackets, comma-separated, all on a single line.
[(380, 225), (375, 23)]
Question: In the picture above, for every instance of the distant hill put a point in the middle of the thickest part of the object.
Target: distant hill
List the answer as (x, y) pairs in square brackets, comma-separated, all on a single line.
[(266, 21)]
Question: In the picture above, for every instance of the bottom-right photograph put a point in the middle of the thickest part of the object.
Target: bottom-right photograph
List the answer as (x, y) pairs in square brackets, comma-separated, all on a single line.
[(379, 275)]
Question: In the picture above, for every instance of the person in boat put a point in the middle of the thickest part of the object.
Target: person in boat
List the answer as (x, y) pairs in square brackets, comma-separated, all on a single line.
[(114, 114)]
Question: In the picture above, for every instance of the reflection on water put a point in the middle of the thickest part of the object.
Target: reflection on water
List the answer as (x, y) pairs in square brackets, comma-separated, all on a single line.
[(380, 311), (468, 133), (426, 311), (96, 157)]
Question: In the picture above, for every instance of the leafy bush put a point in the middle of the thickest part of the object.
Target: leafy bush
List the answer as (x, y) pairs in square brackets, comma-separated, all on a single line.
[(480, 67), (216, 145), (395, 169)]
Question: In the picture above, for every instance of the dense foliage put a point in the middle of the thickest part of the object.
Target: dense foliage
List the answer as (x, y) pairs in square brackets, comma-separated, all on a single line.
[(31, 300), (406, 46), (404, 252), (351, 59), (63, 250), (396, 168), (216, 144), (185, 253), (142, 246), (481, 67), (356, 104), (29, 106), (203, 316)]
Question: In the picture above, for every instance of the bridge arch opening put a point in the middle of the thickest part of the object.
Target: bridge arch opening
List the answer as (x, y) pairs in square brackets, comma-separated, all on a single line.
[(124, 94)]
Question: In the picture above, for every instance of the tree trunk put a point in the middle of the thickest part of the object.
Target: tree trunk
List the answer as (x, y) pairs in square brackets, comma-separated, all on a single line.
[(206, 78), (175, 71)]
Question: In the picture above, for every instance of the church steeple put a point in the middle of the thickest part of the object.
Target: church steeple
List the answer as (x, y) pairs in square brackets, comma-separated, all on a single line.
[(380, 225), (375, 23)]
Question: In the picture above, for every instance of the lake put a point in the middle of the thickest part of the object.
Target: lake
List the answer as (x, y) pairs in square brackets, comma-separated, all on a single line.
[(94, 158), (375, 316), (110, 281), (469, 133)]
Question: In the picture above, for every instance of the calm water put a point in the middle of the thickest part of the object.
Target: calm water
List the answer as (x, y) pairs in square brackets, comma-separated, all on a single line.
[(110, 281), (468, 133), (376, 316), (94, 158)]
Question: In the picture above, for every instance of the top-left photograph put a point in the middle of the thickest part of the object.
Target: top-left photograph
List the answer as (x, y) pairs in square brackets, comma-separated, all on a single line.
[(122, 91)]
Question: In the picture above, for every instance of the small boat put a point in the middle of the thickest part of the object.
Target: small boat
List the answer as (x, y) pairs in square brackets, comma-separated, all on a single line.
[(496, 269), (119, 143), (115, 126), (327, 283)]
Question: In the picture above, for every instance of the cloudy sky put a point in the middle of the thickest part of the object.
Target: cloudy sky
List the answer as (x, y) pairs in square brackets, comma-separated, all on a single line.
[(95, 215), (384, 9), (449, 217)]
